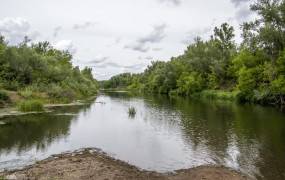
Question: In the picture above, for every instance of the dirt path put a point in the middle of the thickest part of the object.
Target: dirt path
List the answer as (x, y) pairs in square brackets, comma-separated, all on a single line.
[(91, 164)]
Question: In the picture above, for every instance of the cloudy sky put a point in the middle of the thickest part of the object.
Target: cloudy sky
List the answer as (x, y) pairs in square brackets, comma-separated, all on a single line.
[(116, 36)]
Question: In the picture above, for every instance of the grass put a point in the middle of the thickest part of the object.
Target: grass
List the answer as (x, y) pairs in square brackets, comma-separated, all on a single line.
[(30, 106), (26, 93), (132, 111), (219, 95)]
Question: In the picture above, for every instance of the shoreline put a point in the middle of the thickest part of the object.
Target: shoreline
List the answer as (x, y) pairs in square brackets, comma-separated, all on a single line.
[(13, 111), (91, 163)]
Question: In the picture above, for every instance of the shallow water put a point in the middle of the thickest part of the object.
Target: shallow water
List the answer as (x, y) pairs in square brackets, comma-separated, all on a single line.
[(165, 134)]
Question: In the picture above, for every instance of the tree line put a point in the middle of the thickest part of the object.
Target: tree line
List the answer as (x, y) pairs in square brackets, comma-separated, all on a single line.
[(252, 71), (39, 71)]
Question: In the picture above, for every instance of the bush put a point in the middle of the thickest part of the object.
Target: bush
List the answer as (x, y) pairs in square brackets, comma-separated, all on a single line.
[(3, 96), (31, 105), (11, 85), (190, 83), (60, 94)]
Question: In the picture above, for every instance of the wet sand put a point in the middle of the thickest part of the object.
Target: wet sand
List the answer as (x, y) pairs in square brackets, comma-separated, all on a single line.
[(92, 164)]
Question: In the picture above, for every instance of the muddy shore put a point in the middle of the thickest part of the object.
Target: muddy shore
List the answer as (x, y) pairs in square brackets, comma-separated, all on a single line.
[(92, 164)]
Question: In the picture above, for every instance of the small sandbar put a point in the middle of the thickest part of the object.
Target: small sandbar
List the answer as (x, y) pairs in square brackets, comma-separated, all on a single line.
[(90, 164)]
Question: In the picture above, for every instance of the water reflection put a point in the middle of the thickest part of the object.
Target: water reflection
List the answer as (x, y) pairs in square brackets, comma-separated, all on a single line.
[(25, 132), (166, 134), (249, 138)]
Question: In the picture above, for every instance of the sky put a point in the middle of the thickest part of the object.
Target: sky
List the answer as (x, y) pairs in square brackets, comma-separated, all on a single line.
[(117, 36)]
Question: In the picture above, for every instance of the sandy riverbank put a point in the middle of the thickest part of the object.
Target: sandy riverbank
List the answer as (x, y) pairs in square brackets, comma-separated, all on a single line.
[(90, 164)]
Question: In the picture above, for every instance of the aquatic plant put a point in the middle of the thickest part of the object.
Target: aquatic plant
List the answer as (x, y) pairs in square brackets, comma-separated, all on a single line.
[(132, 111), (30, 105)]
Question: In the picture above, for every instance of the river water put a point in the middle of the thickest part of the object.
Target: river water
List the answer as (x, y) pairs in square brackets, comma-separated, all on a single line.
[(166, 134)]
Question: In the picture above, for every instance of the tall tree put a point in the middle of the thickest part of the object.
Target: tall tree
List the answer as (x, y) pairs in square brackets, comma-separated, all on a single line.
[(268, 31)]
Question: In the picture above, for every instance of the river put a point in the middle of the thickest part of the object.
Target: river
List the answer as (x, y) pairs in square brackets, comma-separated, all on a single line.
[(166, 134)]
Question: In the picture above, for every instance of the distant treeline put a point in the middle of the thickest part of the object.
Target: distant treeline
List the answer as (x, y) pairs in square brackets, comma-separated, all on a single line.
[(39, 71), (253, 71)]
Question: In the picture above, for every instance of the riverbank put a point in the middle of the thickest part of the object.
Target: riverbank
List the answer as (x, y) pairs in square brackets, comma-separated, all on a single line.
[(17, 104), (13, 111), (90, 164)]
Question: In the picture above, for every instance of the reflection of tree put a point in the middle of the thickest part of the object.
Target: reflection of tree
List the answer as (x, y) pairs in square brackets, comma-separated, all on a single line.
[(203, 124), (26, 131), (36, 130), (266, 128), (121, 94), (256, 133)]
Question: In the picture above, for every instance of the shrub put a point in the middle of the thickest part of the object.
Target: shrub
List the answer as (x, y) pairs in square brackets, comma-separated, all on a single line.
[(31, 105), (3, 96), (190, 83), (11, 85), (60, 94)]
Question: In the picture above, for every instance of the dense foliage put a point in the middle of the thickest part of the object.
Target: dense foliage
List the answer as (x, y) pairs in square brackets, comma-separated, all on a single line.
[(39, 71), (253, 71)]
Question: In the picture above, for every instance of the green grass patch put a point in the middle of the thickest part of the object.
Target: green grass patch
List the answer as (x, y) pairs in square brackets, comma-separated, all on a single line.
[(26, 93), (32, 105), (219, 95)]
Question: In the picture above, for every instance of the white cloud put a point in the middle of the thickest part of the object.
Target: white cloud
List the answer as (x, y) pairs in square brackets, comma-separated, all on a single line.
[(56, 31), (98, 60), (191, 35), (156, 36), (174, 2), (14, 29), (156, 49), (149, 58), (243, 13), (109, 64), (239, 2), (85, 25), (138, 46), (65, 45), (118, 40)]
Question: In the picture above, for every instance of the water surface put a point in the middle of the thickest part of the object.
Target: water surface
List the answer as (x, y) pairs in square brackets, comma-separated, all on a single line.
[(165, 135)]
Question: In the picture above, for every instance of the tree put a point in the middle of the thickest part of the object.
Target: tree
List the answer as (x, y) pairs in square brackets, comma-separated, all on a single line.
[(224, 37), (268, 32), (190, 83)]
